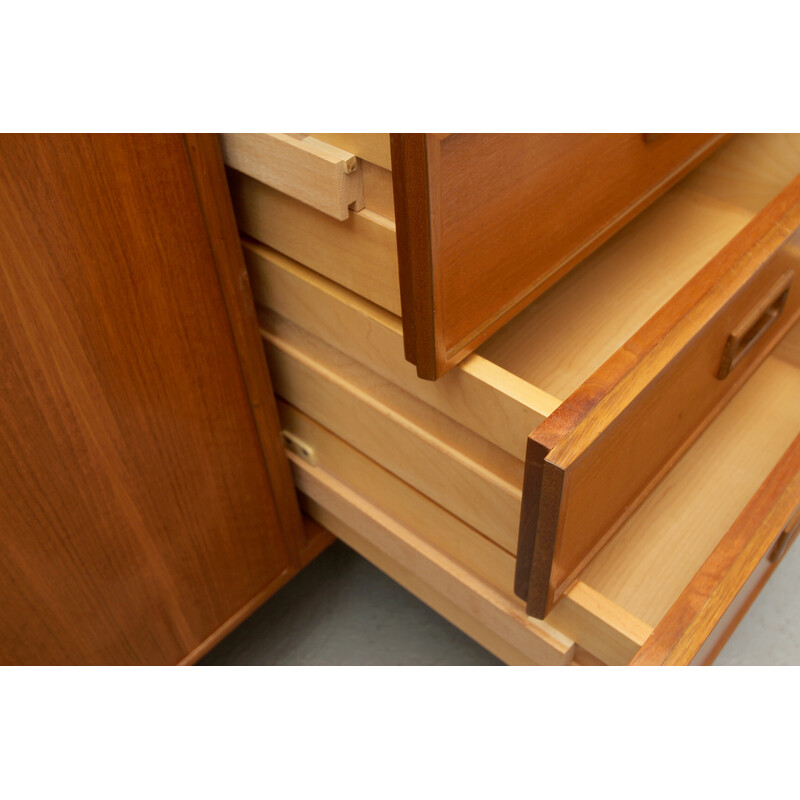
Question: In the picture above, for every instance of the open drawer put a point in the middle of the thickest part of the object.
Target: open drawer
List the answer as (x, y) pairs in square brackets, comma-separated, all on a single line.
[(488, 221), (484, 222), (617, 368), (694, 555), (668, 589)]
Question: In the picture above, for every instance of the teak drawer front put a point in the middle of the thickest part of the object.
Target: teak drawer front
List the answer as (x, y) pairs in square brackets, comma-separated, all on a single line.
[(592, 460), (486, 222)]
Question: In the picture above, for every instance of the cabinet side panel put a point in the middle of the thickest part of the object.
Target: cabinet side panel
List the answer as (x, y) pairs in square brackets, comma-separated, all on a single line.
[(135, 506)]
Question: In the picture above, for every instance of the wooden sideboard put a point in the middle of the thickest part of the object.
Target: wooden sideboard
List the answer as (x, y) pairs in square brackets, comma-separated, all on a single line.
[(609, 477)]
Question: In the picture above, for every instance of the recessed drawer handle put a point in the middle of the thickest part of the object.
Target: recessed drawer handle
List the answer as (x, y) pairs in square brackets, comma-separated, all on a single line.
[(753, 327), (786, 538)]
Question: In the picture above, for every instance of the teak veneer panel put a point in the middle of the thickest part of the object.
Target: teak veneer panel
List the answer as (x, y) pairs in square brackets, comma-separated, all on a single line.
[(136, 506), (593, 311), (486, 222)]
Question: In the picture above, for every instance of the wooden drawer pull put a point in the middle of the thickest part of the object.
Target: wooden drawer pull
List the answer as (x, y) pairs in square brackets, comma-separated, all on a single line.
[(753, 327), (786, 538)]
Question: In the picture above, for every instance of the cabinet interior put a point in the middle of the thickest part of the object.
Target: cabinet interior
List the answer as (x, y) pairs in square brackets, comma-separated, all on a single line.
[(558, 341)]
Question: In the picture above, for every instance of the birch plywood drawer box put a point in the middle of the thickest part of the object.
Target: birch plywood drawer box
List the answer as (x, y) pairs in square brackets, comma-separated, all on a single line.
[(617, 369)]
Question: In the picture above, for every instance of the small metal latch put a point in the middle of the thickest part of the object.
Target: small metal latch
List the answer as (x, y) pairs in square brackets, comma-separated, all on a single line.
[(299, 447)]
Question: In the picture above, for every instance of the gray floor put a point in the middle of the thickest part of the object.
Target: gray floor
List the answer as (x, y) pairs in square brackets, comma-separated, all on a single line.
[(770, 632), (343, 611)]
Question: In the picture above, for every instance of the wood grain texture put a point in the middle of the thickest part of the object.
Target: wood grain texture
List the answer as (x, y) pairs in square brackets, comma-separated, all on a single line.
[(486, 222), (359, 253), (215, 205), (372, 147), (315, 540), (136, 506), (607, 631), (413, 509), (479, 394), (622, 429), (428, 594), (313, 172), (731, 577), (684, 518), (419, 445), (593, 311), (378, 189), (749, 171), (585, 616), (398, 408), (501, 614), (414, 159)]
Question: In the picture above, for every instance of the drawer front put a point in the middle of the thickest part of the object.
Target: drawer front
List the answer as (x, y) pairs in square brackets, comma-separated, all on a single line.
[(486, 222), (595, 458), (700, 622)]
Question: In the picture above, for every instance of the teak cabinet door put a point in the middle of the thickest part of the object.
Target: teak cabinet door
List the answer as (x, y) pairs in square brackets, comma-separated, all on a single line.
[(143, 500), (486, 222)]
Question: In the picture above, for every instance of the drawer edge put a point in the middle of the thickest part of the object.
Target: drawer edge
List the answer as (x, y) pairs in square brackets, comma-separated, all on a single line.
[(534, 639), (700, 613)]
